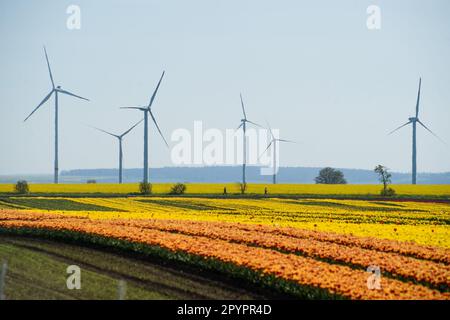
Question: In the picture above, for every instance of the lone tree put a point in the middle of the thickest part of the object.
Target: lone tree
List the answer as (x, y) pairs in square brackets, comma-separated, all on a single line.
[(385, 179), (242, 187), (330, 176)]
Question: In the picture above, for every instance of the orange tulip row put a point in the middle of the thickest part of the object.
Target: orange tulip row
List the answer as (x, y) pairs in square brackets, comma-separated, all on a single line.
[(408, 249), (411, 249), (436, 274), (338, 279)]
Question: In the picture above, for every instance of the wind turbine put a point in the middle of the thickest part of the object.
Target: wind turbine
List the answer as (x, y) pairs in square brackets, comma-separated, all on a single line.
[(414, 121), (244, 128), (148, 110), (55, 90), (119, 137), (274, 142)]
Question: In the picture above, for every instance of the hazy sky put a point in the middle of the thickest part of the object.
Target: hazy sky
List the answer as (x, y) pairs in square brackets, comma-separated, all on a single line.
[(312, 68)]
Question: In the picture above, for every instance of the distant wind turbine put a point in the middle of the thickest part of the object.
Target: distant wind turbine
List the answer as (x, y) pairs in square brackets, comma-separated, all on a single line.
[(244, 128), (55, 90), (414, 121), (148, 110), (274, 143), (119, 137)]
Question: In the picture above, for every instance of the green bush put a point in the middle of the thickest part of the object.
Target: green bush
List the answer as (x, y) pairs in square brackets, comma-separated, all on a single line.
[(389, 192), (145, 187), (178, 188), (22, 187)]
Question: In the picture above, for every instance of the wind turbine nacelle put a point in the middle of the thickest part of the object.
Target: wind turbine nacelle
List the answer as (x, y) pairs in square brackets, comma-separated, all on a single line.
[(413, 119)]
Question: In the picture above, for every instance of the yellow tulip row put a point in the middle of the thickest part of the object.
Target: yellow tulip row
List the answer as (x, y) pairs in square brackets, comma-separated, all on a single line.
[(422, 223)]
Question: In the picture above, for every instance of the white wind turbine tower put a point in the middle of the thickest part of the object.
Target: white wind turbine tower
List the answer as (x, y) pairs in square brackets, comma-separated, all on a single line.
[(55, 90), (119, 137), (273, 143), (244, 129), (148, 110), (414, 121)]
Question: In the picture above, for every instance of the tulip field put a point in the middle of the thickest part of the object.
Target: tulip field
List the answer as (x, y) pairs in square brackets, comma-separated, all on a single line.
[(305, 248)]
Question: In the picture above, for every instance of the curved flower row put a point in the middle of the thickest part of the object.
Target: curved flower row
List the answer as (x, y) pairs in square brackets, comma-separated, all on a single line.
[(418, 222), (408, 249), (437, 274), (426, 252), (424, 223), (337, 279), (436, 254)]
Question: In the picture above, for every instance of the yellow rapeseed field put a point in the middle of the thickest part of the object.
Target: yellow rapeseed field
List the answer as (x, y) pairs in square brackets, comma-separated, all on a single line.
[(217, 188)]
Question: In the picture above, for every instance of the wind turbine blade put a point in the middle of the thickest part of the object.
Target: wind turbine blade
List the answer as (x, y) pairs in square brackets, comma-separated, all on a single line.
[(156, 90), (159, 130), (71, 94), (111, 134), (136, 108), (243, 109), (418, 98), (270, 130), (268, 146), (255, 124), (284, 140), (431, 131), (240, 126), (40, 104), (126, 132), (399, 128), (49, 70)]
